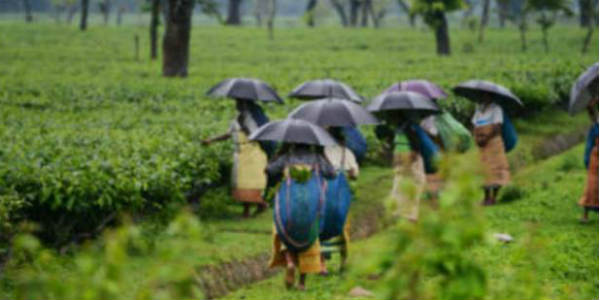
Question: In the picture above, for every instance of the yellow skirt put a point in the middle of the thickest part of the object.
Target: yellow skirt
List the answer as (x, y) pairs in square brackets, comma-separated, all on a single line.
[(493, 158), (307, 261)]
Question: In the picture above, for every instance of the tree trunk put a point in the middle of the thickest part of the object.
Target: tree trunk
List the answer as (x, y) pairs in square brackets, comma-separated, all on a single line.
[(545, 39), (585, 12), (120, 15), (406, 8), (310, 13), (588, 38), (442, 37), (176, 41), (154, 22), (84, 15), (71, 13), (339, 8), (272, 11), (523, 30), (28, 15), (233, 13), (365, 13), (485, 14), (470, 9), (354, 9), (375, 17), (503, 8), (105, 8)]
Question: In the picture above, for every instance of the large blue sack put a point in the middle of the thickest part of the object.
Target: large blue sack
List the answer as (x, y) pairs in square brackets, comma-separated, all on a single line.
[(334, 212), (429, 150), (590, 143), (509, 134), (296, 212), (355, 142)]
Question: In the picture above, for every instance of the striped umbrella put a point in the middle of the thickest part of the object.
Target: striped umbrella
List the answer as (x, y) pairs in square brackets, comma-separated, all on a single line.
[(479, 90), (584, 89), (421, 86), (325, 88), (333, 112), (250, 89), (293, 131)]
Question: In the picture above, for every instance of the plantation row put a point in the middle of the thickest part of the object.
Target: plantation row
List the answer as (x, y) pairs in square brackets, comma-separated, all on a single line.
[(108, 135)]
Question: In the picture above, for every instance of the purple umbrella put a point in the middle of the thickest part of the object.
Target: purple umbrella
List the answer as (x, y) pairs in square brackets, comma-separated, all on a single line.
[(333, 112), (421, 86), (250, 89), (479, 90), (409, 102), (293, 131), (584, 89)]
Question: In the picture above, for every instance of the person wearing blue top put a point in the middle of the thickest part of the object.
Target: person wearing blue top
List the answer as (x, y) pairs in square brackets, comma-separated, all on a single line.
[(589, 200)]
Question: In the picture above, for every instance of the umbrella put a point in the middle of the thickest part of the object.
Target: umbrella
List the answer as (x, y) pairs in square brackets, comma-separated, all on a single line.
[(477, 90), (325, 88), (584, 89), (333, 112), (245, 89), (293, 131), (423, 87), (403, 101)]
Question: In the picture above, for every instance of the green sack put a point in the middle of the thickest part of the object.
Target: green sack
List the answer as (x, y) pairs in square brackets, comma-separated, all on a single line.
[(454, 135)]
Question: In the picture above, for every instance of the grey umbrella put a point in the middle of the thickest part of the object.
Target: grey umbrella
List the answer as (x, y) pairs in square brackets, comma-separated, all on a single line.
[(293, 131), (325, 88), (245, 89), (403, 101), (333, 112), (584, 89), (478, 90)]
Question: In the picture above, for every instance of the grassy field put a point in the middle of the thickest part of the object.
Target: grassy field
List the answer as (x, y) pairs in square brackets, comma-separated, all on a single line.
[(89, 133)]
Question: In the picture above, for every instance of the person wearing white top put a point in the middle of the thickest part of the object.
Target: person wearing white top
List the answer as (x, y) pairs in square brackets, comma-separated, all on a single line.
[(342, 158), (487, 130)]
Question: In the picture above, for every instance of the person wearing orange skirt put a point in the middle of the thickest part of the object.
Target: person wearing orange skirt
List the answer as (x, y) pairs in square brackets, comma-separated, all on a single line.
[(589, 200)]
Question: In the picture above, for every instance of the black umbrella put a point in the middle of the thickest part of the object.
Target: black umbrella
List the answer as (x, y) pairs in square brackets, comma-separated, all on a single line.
[(293, 131), (409, 102), (333, 112), (479, 90), (325, 88), (245, 89), (584, 89)]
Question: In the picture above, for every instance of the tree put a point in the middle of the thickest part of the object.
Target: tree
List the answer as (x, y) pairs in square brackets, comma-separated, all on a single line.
[(591, 7), (211, 8), (104, 8), (434, 15), (503, 7), (339, 8), (28, 15), (309, 13), (485, 16), (176, 41), (84, 14), (586, 11), (233, 13), (271, 12), (354, 12), (154, 23), (406, 8), (548, 11)]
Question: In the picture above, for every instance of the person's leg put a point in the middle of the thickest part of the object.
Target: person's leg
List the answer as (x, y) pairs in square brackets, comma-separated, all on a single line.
[(302, 283), (344, 257), (495, 191), (324, 271), (260, 207), (289, 270), (246, 210), (585, 217)]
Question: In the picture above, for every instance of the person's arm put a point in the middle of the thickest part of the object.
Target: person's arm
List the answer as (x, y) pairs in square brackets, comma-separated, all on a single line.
[(218, 138), (275, 167)]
